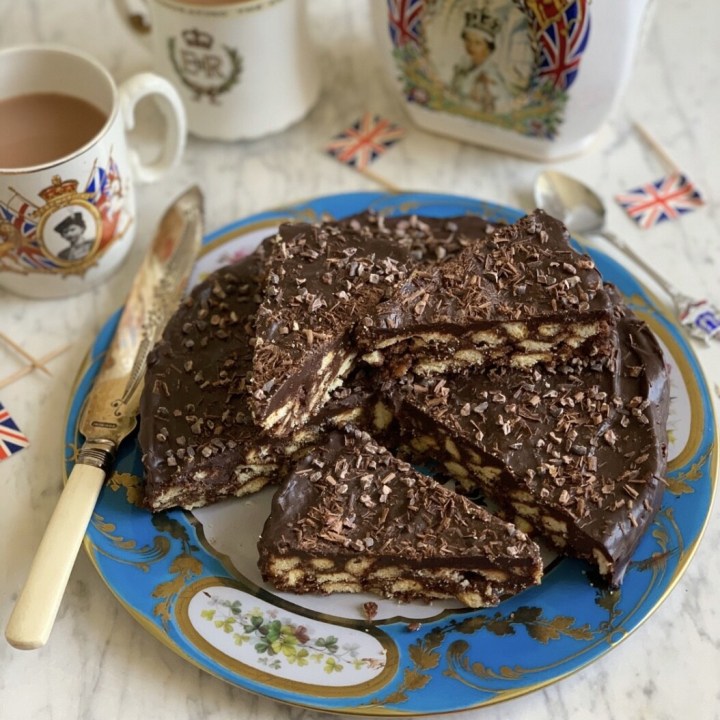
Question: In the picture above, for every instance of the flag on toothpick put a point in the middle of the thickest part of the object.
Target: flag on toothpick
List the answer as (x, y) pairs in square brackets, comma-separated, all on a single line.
[(364, 141), (665, 199), (11, 439)]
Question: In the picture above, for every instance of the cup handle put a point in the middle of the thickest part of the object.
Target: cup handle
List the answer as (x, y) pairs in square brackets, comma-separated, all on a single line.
[(131, 92)]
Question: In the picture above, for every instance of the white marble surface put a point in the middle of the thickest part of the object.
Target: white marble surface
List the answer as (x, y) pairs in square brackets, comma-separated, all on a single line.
[(99, 662)]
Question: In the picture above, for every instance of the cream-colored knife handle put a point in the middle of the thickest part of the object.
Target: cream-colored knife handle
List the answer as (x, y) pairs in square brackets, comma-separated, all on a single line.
[(34, 614)]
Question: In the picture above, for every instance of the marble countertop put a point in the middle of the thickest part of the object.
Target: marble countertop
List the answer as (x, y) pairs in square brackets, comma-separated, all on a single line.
[(99, 662)]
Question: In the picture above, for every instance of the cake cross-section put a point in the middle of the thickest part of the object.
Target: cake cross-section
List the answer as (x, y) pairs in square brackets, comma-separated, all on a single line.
[(351, 517), (517, 297)]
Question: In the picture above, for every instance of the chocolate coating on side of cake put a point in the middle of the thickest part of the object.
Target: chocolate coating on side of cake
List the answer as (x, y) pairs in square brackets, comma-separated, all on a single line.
[(576, 457), (351, 517), (519, 296)]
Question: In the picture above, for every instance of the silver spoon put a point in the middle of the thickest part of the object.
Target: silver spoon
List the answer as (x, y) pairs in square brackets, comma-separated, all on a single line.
[(583, 211)]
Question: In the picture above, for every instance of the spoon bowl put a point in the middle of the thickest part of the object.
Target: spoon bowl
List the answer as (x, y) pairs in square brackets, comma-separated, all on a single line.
[(571, 201)]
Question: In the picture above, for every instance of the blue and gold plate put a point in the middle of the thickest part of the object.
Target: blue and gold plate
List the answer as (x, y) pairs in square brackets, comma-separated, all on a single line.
[(191, 578)]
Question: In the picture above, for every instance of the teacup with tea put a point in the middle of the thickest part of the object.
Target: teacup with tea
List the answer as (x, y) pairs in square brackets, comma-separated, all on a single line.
[(67, 204)]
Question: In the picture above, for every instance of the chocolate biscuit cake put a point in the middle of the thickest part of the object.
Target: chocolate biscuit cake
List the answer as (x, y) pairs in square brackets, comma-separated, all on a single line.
[(505, 360), (577, 457), (351, 518), (319, 280), (518, 297)]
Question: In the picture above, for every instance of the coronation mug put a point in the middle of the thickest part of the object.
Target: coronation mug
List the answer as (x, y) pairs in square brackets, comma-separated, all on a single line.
[(536, 78), (244, 68), (67, 203)]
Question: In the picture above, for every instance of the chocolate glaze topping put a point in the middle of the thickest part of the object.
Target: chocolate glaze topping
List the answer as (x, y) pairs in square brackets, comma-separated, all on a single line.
[(196, 425), (429, 241)]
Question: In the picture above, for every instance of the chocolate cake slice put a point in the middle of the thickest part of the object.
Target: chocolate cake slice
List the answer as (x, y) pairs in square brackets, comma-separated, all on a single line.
[(351, 517), (197, 434), (320, 280), (578, 458), (518, 297)]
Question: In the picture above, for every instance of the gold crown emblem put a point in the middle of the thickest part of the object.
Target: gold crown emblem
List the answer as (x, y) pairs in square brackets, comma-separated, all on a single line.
[(197, 38), (58, 194), (482, 20), (53, 193)]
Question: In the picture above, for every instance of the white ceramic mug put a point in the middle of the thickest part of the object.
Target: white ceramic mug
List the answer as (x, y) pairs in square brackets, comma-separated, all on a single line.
[(536, 78), (68, 223), (244, 69)]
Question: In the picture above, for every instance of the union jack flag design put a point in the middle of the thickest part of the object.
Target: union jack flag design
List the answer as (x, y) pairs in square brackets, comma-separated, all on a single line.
[(562, 44), (664, 199), (702, 319), (11, 439), (404, 21), (19, 216), (29, 256), (364, 141), (103, 184)]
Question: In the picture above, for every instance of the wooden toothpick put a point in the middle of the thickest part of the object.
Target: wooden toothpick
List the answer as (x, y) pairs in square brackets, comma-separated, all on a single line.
[(378, 179), (657, 148), (10, 379), (20, 351)]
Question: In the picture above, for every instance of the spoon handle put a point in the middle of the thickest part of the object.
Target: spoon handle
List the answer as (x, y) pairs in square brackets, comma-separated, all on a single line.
[(670, 289)]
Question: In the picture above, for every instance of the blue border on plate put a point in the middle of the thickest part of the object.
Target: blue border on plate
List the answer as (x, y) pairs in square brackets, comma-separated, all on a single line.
[(461, 660)]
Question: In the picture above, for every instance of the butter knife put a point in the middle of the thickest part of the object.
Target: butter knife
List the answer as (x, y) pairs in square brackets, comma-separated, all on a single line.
[(109, 415)]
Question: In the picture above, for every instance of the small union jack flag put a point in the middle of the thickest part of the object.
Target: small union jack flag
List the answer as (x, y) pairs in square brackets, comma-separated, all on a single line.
[(404, 21), (364, 141), (562, 45), (11, 439), (664, 199)]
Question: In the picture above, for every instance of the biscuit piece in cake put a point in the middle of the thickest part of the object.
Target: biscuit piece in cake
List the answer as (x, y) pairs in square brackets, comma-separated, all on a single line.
[(577, 458), (351, 517), (518, 297)]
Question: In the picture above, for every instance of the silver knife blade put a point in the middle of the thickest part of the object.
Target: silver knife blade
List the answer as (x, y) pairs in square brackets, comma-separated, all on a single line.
[(110, 410)]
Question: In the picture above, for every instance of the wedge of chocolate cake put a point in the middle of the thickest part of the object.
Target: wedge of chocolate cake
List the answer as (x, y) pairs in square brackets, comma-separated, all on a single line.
[(351, 517), (577, 457), (197, 434), (518, 297), (320, 280)]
